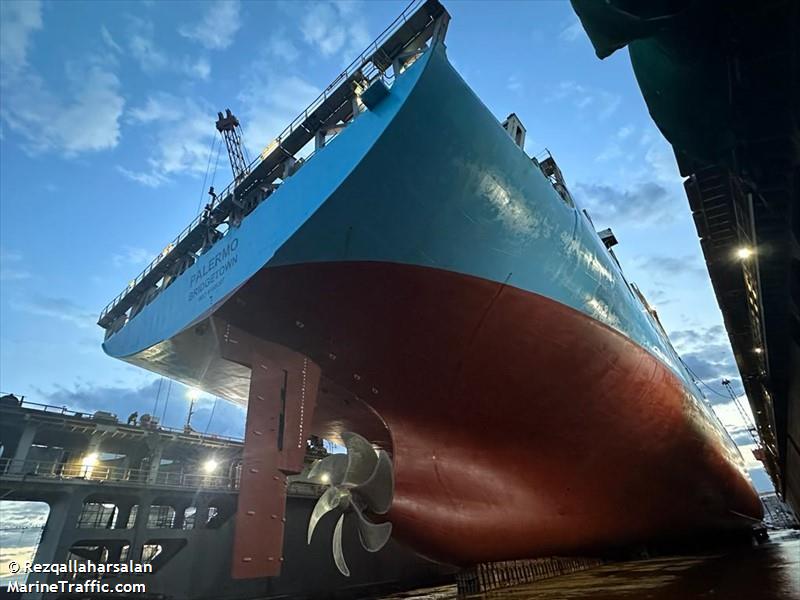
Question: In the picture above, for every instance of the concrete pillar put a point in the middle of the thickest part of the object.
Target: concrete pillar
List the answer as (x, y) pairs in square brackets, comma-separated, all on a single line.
[(201, 512), (23, 447), (124, 507), (140, 526), (319, 139), (58, 535), (114, 550), (180, 512), (155, 463)]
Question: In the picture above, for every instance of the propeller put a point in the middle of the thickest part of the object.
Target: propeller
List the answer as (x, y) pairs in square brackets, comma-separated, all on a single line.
[(362, 480)]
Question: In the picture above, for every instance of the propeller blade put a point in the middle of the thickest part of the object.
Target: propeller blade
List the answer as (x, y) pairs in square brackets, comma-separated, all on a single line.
[(361, 459), (373, 536), (338, 555), (326, 503), (330, 470), (378, 490)]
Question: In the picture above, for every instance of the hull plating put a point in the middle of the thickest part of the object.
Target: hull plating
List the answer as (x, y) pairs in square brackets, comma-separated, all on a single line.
[(519, 426), (467, 317)]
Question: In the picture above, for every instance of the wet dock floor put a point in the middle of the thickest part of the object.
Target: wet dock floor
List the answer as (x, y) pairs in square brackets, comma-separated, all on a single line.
[(770, 571)]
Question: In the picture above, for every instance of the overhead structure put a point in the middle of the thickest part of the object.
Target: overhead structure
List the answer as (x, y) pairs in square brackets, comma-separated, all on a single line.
[(720, 81)]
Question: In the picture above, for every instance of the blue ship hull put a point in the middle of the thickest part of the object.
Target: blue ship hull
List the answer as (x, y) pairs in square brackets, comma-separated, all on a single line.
[(467, 318)]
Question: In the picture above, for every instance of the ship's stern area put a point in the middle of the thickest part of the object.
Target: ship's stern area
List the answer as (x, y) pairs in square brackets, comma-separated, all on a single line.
[(516, 426), (449, 307)]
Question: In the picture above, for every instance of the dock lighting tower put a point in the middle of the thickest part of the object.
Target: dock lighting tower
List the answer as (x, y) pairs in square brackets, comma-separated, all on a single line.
[(744, 252), (209, 466), (228, 125)]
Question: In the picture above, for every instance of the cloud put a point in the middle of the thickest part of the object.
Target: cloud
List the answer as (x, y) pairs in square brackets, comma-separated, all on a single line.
[(602, 102), (692, 338), (182, 132), (56, 308), (11, 268), (571, 32), (514, 84), (335, 27), (152, 59), (269, 102), (168, 401), (280, 46), (661, 160), (106, 35), (131, 256), (200, 68), (26, 514), (151, 179), (661, 266), (23, 522), (658, 297), (640, 204), (218, 26), (737, 422), (613, 149), (143, 48), (707, 352), (81, 116), (18, 21)]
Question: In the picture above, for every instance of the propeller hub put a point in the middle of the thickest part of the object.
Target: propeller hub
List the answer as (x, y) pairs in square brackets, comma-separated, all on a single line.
[(358, 481)]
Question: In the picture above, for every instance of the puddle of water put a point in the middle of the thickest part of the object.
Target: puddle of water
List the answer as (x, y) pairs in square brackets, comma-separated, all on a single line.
[(767, 572)]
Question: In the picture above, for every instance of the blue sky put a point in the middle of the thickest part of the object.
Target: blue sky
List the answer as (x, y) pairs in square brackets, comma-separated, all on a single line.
[(107, 120)]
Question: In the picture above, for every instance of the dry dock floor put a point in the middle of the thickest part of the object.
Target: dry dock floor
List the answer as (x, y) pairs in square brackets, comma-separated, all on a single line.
[(770, 571)]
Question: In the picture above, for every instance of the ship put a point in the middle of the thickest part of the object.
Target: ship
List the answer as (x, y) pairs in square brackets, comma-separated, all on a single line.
[(423, 292)]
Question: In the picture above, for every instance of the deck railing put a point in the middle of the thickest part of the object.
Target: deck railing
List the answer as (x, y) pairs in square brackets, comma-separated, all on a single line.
[(362, 61), (56, 470), (11, 468), (90, 418)]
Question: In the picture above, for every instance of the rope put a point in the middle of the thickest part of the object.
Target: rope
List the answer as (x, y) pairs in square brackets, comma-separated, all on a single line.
[(205, 177), (211, 416), (245, 154), (166, 401), (700, 381), (216, 165), (158, 394), (748, 423)]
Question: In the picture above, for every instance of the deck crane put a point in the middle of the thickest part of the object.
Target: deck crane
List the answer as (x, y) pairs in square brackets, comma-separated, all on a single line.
[(231, 131)]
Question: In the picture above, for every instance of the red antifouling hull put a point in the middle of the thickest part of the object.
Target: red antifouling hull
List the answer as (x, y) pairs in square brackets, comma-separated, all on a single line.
[(519, 427)]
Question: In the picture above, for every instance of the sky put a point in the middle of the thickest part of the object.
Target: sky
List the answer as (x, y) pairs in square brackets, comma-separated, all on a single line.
[(107, 121)]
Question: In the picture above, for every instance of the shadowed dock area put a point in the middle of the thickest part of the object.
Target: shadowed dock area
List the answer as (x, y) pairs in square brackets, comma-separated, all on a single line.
[(767, 572)]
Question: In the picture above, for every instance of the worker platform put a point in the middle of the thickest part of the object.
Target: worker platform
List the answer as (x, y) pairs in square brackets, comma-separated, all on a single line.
[(167, 498)]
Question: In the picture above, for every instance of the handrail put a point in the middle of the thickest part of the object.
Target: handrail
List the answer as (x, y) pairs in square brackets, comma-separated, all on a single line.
[(351, 69), (90, 417), (11, 468)]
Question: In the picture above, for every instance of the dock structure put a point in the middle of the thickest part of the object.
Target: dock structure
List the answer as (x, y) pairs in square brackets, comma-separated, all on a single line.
[(745, 209), (331, 112), (490, 577), (720, 83), (166, 498)]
